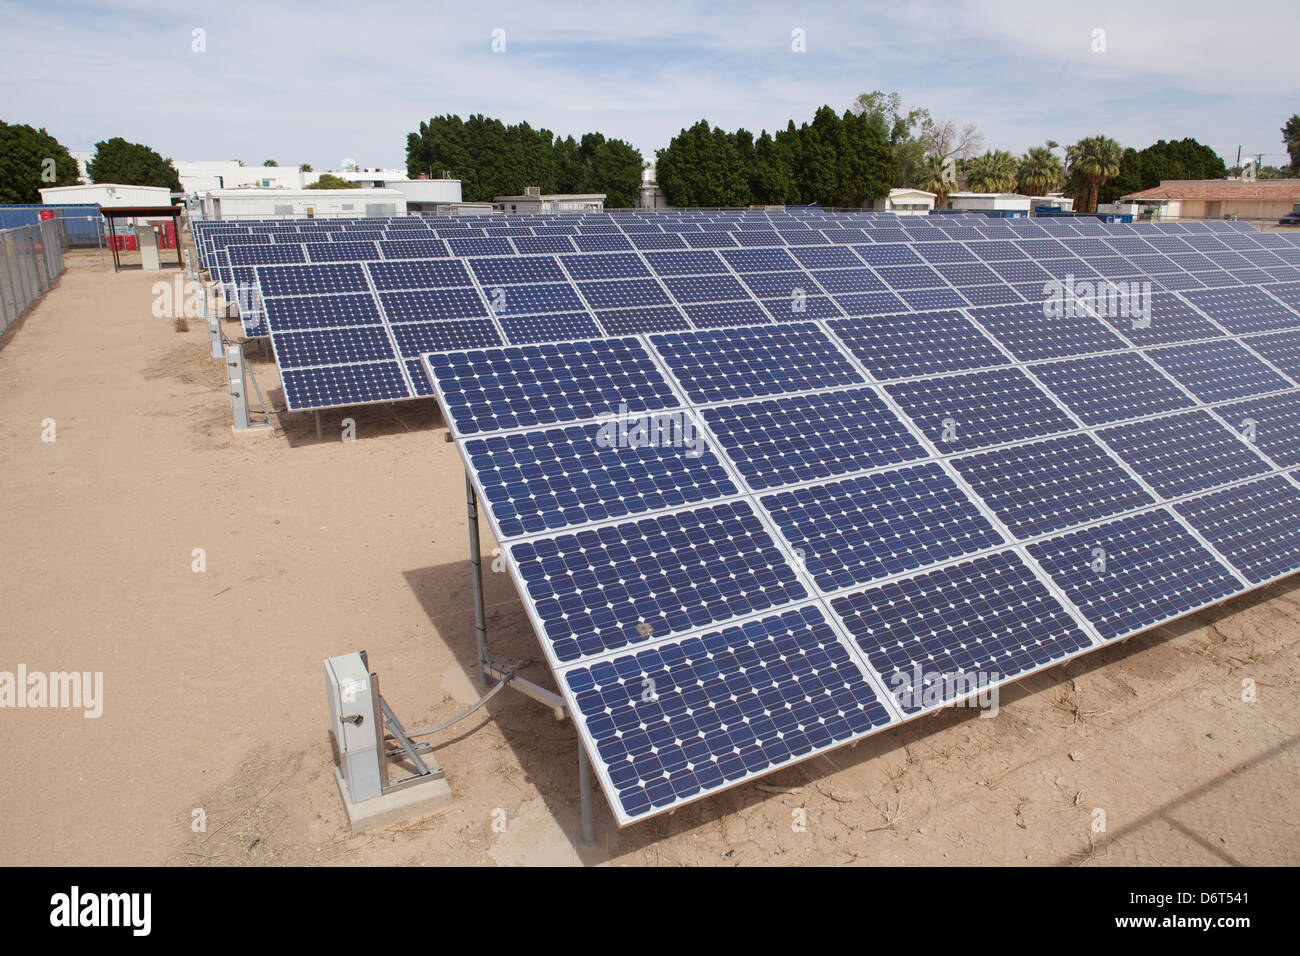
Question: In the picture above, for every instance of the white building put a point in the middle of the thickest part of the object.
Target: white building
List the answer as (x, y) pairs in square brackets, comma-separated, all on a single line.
[(534, 201), (202, 175), (108, 195), (261, 203), (905, 202), (1007, 204)]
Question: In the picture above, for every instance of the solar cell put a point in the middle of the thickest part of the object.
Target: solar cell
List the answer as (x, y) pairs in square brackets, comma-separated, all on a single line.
[(691, 716), (559, 477), (1111, 388), (809, 437), (1272, 425), (938, 637), (1256, 526), (334, 385), (1051, 485), (605, 588), (341, 346), (1219, 371), (869, 527), (725, 364), (525, 386), (901, 346), (1129, 574), (416, 338), (979, 409), (1181, 454), (1038, 331)]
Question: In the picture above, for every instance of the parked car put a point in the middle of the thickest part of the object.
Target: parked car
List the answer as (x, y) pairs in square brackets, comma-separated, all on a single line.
[(1290, 219)]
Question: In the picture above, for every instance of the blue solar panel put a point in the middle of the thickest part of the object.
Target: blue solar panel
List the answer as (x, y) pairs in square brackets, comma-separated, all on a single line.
[(1282, 349), (1256, 526), (1051, 485), (616, 265), (663, 318), (1243, 310), (416, 338), (979, 409), (901, 346), (870, 303), (987, 619), (815, 257), (724, 364), (795, 308), (910, 277), (990, 294), (1033, 331), (888, 255), (997, 250), (1271, 424), (1129, 574), (624, 293), (542, 244), (423, 305), (601, 243), (311, 279), (330, 386), (533, 385), (705, 288), (532, 299), (1112, 388), (521, 329), (712, 315), (433, 274), (1167, 320), (759, 260), (342, 251), (342, 346), (546, 480), (517, 270), (841, 281), (809, 437), (497, 246), (968, 273), (320, 311), (413, 248), (1182, 454), (694, 262), (1219, 371), (606, 588), (869, 527), (688, 717)]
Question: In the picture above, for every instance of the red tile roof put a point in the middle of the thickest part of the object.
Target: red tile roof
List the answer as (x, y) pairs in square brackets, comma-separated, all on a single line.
[(1269, 190)]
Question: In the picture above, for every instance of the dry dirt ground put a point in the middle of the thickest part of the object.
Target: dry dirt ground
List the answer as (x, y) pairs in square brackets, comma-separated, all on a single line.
[(214, 695)]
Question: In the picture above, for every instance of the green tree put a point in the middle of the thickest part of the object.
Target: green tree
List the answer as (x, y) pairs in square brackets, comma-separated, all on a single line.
[(1291, 136), (269, 162), (1128, 181), (131, 164), (934, 179), (993, 172), (1039, 171), (330, 181), (1091, 162), (305, 168), (25, 163)]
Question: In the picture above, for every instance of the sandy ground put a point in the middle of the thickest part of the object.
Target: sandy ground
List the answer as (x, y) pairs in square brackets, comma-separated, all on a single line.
[(214, 697)]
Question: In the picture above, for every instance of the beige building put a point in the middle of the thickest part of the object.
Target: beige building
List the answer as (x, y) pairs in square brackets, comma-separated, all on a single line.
[(1217, 198), (905, 202)]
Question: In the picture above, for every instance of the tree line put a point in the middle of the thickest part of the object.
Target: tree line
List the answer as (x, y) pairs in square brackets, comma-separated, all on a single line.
[(493, 159)]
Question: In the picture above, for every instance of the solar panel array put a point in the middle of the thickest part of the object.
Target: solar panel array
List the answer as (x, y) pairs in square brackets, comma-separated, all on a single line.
[(747, 533)]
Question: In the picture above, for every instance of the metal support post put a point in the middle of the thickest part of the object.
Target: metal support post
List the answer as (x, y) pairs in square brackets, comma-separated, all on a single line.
[(476, 573), (584, 795), (235, 376), (318, 431)]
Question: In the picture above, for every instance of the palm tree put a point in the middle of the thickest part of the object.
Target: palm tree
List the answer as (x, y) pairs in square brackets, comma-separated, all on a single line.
[(933, 181), (1039, 171), (994, 172), (1091, 162)]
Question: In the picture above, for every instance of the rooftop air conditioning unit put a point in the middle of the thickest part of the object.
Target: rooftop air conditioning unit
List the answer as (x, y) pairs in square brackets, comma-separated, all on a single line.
[(533, 192)]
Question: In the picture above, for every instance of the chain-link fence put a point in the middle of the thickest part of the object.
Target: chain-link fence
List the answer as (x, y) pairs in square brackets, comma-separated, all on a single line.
[(31, 258)]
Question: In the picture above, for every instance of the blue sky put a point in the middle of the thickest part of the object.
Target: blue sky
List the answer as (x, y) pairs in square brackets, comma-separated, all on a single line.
[(324, 81)]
